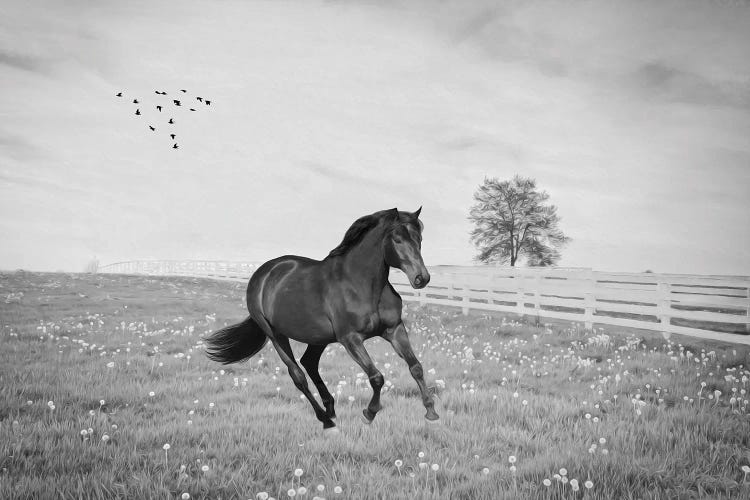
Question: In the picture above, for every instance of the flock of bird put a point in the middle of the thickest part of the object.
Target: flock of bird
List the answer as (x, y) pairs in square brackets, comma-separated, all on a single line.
[(160, 108)]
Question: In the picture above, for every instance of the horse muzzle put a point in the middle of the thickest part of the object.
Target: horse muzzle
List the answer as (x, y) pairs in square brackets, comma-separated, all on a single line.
[(420, 280)]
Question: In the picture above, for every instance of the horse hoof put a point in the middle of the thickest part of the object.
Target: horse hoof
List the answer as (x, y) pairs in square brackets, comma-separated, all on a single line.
[(435, 421), (366, 419), (331, 430)]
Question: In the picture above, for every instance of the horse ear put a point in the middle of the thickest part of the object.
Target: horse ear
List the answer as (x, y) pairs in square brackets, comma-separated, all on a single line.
[(415, 215)]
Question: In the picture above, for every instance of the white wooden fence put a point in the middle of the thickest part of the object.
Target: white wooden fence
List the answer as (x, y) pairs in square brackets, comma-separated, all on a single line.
[(709, 307)]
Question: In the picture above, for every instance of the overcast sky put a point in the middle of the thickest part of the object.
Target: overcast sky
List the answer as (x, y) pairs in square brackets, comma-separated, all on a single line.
[(633, 116)]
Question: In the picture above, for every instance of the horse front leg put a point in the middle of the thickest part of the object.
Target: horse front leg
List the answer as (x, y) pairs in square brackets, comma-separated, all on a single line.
[(355, 346), (399, 339)]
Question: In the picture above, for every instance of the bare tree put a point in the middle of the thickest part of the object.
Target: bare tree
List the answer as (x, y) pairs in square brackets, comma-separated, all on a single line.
[(512, 218)]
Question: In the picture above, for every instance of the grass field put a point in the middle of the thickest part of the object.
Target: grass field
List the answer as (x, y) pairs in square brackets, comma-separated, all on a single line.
[(99, 373)]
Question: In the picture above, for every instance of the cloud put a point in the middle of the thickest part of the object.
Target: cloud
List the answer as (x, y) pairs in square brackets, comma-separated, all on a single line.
[(660, 80), (24, 62)]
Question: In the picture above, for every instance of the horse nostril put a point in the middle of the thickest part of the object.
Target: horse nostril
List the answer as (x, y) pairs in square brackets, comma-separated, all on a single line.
[(418, 280)]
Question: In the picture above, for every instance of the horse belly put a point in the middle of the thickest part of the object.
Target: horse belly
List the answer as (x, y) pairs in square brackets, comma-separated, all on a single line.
[(302, 320)]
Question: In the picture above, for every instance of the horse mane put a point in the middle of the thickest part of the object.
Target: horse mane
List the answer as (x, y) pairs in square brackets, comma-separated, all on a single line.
[(358, 230)]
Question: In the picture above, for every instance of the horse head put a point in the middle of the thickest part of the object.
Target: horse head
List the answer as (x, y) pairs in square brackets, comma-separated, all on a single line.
[(403, 247)]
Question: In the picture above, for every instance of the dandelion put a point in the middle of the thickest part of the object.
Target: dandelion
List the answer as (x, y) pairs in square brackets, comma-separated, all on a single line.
[(423, 465), (746, 471), (337, 490), (574, 484), (546, 482), (166, 453), (563, 472), (321, 488), (105, 438), (420, 454), (301, 490), (588, 485), (513, 469), (602, 441), (435, 467), (204, 468), (291, 492), (512, 459), (151, 394), (485, 471), (261, 495), (398, 464), (298, 472), (185, 496)]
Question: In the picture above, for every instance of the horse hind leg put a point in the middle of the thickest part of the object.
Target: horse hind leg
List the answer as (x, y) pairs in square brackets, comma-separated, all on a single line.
[(298, 377), (310, 360)]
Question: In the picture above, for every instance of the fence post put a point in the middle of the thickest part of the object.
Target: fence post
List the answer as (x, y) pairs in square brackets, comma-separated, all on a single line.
[(465, 297), (537, 293), (520, 292), (664, 306), (589, 300)]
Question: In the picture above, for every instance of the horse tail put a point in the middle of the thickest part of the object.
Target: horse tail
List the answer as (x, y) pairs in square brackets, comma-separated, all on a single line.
[(236, 342)]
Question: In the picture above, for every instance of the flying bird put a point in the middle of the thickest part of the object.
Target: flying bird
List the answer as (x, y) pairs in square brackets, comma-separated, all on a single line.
[(172, 136), (137, 111), (176, 102), (200, 99), (135, 101), (159, 108), (175, 146), (119, 94), (171, 121), (208, 102), (192, 109), (152, 128), (183, 90)]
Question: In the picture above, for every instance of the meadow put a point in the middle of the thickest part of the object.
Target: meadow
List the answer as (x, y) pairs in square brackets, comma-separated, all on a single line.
[(105, 392)]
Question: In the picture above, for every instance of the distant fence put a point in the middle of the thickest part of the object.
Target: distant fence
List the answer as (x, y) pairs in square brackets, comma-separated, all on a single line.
[(195, 268), (708, 307)]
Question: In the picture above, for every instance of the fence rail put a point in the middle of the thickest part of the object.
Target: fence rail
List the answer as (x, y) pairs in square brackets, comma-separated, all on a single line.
[(708, 307)]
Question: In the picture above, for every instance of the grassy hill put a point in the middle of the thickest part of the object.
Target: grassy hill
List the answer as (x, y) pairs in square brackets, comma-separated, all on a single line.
[(83, 357)]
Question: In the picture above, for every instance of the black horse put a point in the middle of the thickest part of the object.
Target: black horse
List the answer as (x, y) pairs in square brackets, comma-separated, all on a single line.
[(344, 298)]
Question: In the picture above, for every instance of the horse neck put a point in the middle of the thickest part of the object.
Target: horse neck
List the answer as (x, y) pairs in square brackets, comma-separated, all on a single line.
[(365, 262)]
